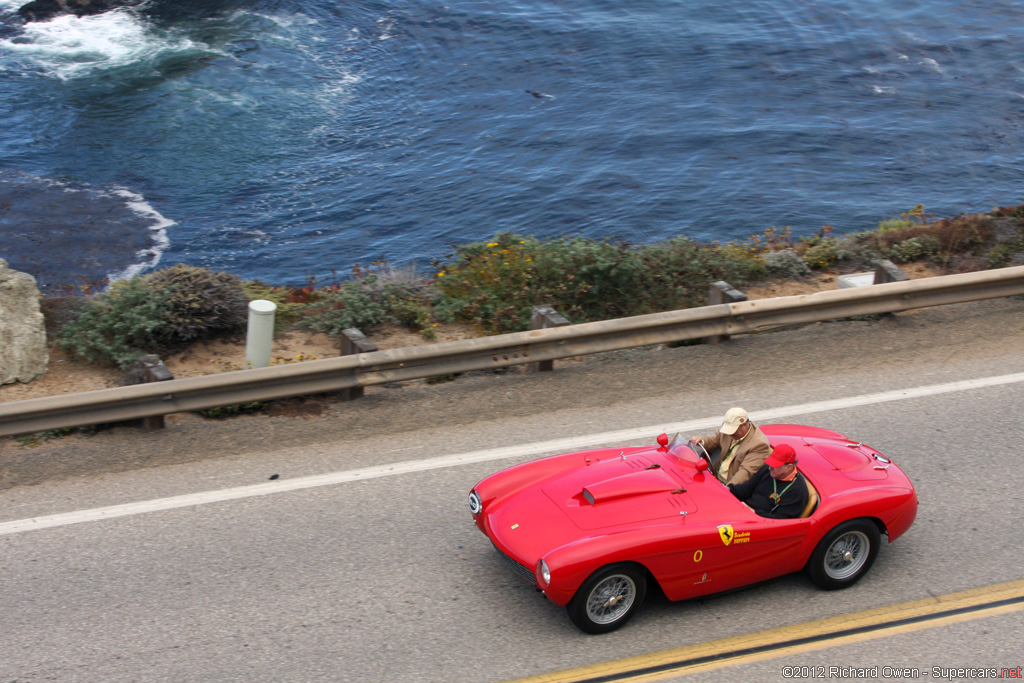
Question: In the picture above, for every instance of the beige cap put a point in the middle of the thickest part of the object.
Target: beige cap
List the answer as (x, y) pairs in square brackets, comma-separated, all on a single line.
[(733, 419)]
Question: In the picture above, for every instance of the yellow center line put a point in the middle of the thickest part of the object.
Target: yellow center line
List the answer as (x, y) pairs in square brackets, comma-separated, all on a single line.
[(881, 622)]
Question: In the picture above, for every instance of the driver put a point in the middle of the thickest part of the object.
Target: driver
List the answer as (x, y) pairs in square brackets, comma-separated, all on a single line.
[(778, 490), (744, 447)]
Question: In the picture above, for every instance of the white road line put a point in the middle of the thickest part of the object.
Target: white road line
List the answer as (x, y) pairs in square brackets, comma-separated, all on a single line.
[(645, 434)]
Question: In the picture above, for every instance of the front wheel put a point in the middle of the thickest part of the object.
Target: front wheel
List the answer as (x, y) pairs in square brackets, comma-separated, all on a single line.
[(609, 598), (844, 555)]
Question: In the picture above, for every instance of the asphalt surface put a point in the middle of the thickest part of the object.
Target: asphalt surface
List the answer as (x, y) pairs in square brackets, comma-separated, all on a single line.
[(388, 580)]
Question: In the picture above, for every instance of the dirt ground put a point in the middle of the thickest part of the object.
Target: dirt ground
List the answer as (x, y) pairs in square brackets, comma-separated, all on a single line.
[(69, 375)]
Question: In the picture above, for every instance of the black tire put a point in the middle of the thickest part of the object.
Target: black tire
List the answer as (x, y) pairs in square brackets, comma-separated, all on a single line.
[(608, 598), (844, 555)]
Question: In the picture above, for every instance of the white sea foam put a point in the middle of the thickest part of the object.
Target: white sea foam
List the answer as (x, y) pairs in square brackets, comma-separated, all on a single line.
[(148, 258), (386, 26), (69, 46), (283, 20), (933, 65)]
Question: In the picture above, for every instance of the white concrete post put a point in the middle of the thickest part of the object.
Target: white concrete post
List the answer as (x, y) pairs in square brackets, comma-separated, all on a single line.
[(260, 334)]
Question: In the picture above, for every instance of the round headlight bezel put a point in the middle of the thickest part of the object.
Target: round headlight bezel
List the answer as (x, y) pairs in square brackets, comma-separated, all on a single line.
[(544, 573), (476, 505)]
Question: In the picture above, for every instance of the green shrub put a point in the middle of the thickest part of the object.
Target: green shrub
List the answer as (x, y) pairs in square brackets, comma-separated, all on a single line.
[(155, 313), (497, 283), (199, 302), (677, 273), (915, 249), (1009, 212), (894, 224), (822, 253), (360, 303), (287, 310), (1001, 255), (917, 237), (118, 325), (785, 262), (411, 311)]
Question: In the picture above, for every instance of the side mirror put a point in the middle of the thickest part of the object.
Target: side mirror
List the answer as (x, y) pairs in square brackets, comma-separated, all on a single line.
[(701, 465), (663, 441)]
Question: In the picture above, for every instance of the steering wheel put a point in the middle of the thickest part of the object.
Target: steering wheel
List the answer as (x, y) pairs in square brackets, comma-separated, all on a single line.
[(702, 453)]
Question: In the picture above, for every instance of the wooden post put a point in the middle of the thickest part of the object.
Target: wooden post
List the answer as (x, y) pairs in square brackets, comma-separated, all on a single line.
[(154, 370), (887, 271), (353, 341), (542, 318), (722, 292)]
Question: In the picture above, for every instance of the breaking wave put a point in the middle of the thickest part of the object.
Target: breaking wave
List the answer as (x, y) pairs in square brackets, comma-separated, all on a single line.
[(69, 47)]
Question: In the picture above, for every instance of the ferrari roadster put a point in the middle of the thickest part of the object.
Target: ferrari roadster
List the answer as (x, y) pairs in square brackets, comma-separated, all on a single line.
[(595, 530)]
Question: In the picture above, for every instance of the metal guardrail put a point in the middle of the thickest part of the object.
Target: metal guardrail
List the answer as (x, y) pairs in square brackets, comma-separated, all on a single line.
[(381, 367)]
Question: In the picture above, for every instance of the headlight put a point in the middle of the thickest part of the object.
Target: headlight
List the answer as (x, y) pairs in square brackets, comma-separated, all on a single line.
[(476, 506), (545, 573)]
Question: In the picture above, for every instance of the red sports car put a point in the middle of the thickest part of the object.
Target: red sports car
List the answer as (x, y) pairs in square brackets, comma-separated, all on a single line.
[(593, 530)]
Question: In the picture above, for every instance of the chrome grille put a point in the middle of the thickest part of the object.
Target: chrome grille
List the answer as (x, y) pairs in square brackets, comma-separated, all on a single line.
[(524, 572)]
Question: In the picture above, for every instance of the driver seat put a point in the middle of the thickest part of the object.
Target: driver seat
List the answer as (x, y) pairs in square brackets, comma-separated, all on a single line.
[(812, 499)]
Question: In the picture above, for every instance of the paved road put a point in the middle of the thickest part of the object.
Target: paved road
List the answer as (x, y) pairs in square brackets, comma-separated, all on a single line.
[(386, 579)]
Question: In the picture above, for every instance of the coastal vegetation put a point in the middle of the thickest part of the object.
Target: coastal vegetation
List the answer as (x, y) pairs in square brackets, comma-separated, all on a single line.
[(494, 284)]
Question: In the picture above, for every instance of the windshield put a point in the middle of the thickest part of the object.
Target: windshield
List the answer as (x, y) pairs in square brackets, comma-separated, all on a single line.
[(681, 447)]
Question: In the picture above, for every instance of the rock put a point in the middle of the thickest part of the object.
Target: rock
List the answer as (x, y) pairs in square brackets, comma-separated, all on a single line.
[(24, 355), (44, 10)]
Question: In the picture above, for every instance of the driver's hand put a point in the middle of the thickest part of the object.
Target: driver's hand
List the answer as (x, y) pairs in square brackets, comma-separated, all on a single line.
[(696, 439)]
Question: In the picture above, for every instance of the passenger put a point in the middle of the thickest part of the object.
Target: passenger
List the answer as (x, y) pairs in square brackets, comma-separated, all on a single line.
[(778, 489), (744, 447)]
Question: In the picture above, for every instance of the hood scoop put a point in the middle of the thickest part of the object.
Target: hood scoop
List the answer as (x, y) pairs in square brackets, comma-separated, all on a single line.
[(640, 483)]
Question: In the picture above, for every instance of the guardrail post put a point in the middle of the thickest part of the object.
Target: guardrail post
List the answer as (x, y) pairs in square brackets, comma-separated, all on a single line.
[(887, 271), (154, 370), (352, 342), (722, 292), (542, 318)]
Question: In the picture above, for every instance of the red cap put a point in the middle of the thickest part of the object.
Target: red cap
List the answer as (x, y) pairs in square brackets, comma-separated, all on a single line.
[(783, 454)]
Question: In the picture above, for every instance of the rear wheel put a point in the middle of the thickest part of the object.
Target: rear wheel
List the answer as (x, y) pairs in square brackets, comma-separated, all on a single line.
[(609, 598), (845, 554)]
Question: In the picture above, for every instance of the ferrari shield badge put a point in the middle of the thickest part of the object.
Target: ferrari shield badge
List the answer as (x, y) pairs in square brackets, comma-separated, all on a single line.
[(725, 532)]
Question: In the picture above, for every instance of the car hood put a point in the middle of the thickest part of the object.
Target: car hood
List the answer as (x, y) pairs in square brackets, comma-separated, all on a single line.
[(608, 494), (621, 491)]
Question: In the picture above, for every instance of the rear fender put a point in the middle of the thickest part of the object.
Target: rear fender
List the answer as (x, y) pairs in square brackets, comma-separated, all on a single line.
[(894, 508), (801, 431)]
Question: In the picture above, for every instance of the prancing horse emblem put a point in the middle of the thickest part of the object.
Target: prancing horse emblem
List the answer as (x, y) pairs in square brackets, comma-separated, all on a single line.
[(725, 531)]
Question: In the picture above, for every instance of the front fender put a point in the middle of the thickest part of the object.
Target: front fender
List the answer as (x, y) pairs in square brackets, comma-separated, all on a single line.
[(571, 564)]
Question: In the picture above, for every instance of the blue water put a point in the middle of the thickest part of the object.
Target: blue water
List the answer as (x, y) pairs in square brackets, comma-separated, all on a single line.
[(282, 139)]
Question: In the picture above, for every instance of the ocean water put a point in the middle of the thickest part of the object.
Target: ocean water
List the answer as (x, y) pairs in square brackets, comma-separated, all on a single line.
[(284, 140)]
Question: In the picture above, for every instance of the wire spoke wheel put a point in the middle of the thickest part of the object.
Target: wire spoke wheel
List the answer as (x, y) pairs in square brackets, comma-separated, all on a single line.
[(608, 598), (611, 598), (847, 555)]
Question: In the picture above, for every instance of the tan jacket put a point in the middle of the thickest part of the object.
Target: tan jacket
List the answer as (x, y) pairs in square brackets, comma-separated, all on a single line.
[(748, 457)]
